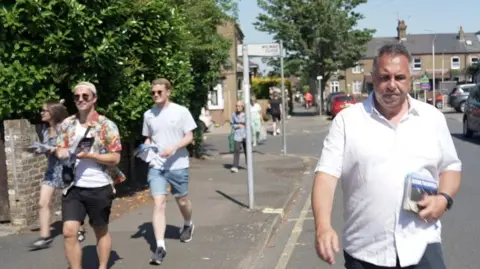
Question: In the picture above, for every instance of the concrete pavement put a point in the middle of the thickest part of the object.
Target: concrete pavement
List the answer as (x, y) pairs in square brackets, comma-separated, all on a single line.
[(293, 245), (227, 234)]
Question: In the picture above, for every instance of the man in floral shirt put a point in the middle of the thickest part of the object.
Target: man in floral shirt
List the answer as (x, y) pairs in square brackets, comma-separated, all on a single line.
[(93, 142)]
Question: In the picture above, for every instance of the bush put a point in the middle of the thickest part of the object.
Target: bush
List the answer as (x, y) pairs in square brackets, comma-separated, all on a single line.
[(261, 86)]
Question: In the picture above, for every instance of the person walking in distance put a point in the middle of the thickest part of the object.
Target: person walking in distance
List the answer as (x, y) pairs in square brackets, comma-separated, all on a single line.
[(238, 122), (275, 108), (53, 113), (170, 127), (375, 149), (96, 146)]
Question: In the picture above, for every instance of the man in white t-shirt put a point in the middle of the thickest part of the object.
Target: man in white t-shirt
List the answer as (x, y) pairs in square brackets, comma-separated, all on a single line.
[(170, 127)]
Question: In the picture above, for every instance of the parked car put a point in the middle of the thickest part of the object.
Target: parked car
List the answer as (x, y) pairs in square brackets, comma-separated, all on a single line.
[(471, 116), (458, 96), (328, 101), (341, 101)]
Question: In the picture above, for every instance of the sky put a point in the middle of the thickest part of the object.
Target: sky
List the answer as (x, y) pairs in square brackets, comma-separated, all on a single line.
[(420, 16)]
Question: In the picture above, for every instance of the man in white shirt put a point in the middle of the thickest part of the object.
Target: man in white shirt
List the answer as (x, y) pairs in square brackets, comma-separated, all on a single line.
[(371, 147), (168, 126)]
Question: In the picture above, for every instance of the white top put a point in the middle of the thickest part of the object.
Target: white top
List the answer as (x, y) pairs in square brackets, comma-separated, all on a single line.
[(255, 111), (372, 157), (88, 173), (167, 127)]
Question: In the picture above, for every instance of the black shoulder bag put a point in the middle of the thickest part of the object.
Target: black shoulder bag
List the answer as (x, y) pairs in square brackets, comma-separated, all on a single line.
[(68, 175)]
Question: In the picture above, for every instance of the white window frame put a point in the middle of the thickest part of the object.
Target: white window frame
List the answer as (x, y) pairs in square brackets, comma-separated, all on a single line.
[(455, 66), (218, 89), (334, 86), (357, 86), (357, 69), (417, 65), (474, 57)]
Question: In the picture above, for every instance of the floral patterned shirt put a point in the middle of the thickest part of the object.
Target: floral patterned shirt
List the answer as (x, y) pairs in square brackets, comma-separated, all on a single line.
[(107, 140)]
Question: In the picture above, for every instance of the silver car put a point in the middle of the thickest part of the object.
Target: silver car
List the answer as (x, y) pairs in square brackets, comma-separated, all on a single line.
[(458, 96)]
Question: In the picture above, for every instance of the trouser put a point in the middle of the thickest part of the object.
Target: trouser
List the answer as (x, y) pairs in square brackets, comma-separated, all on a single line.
[(256, 125), (431, 259), (236, 153)]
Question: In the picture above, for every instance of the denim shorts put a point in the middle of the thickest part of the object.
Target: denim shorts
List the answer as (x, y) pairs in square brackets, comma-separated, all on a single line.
[(178, 180)]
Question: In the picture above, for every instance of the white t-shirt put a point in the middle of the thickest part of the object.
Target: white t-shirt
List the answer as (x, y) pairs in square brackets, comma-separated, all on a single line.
[(166, 127), (255, 111), (88, 173)]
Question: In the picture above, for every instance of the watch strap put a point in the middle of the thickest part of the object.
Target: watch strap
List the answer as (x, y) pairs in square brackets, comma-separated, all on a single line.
[(448, 198)]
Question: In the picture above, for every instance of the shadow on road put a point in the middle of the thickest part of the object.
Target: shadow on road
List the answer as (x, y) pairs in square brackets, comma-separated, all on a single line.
[(230, 198), (90, 257), (56, 231), (145, 231), (475, 139)]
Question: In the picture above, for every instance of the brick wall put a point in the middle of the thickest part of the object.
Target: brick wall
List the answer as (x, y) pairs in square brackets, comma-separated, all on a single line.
[(25, 172)]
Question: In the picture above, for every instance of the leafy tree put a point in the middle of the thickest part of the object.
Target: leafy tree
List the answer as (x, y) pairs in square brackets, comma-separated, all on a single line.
[(319, 35)]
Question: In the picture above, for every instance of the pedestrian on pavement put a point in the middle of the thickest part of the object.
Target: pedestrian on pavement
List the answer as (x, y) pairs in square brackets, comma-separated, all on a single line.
[(93, 142), (53, 113), (238, 121), (373, 146), (275, 108), (257, 120), (170, 127)]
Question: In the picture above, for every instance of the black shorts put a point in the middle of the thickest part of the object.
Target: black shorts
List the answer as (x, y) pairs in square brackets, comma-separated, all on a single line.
[(94, 202), (276, 116)]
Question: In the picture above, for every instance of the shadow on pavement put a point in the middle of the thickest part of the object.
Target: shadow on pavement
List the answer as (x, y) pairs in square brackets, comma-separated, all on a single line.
[(90, 257), (56, 231), (475, 139), (145, 231), (231, 199)]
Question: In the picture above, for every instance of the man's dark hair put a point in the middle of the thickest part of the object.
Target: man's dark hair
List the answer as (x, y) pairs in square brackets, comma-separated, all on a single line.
[(392, 49)]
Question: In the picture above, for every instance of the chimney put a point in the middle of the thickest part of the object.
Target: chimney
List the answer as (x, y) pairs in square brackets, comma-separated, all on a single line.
[(461, 34), (402, 30)]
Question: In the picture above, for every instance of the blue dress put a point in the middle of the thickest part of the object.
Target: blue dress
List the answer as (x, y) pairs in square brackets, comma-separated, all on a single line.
[(53, 175)]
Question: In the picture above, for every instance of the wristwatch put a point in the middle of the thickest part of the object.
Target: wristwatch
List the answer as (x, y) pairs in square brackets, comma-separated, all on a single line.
[(449, 199)]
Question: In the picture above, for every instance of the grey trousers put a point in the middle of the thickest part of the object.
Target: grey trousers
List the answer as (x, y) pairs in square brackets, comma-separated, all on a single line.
[(432, 259)]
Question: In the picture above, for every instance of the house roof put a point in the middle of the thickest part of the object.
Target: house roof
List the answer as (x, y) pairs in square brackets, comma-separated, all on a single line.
[(420, 44)]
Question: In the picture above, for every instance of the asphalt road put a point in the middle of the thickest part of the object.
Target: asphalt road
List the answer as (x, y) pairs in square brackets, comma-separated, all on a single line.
[(293, 245)]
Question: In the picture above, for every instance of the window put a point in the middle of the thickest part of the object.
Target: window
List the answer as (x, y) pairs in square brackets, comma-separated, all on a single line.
[(215, 98), (474, 59), (455, 62), (334, 86), (417, 64), (357, 86), (357, 69)]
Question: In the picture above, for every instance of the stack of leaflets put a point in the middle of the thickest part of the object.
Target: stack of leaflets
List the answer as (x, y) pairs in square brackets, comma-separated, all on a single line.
[(150, 154), (416, 187)]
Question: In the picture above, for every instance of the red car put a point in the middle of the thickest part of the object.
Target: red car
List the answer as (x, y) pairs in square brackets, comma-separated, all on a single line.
[(340, 102)]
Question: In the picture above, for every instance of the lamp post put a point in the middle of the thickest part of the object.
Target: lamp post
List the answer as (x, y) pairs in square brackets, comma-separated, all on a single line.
[(319, 97), (433, 66)]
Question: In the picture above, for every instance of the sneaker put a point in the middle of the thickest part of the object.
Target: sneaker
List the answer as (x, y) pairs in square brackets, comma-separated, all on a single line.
[(81, 236), (42, 243), (186, 234), (234, 170), (158, 256)]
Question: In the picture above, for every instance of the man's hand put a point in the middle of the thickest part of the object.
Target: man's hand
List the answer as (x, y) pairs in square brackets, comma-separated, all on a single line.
[(326, 244), (62, 153), (433, 207), (167, 152), (85, 155)]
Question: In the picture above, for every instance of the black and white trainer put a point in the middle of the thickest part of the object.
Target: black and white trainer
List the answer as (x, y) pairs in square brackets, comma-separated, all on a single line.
[(186, 233), (158, 256)]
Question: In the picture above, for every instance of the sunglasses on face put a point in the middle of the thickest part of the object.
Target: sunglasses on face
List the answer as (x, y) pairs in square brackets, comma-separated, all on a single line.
[(157, 92), (85, 97)]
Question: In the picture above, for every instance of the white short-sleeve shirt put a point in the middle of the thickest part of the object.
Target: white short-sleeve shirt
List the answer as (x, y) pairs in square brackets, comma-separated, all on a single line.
[(372, 157), (167, 127)]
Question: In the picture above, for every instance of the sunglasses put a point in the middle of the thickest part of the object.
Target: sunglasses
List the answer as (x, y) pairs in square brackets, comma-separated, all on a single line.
[(85, 97), (157, 92)]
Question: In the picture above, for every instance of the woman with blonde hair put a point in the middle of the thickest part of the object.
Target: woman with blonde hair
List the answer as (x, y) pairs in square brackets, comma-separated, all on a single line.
[(256, 113)]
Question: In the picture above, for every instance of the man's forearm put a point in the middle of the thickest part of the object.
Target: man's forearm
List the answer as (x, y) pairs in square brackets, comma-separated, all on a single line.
[(187, 140), (322, 199), (108, 159), (450, 182)]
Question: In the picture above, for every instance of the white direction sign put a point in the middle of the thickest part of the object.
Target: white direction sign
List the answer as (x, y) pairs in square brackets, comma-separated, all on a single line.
[(260, 50)]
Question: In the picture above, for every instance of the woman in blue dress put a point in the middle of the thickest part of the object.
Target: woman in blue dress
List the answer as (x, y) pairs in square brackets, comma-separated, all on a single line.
[(53, 113)]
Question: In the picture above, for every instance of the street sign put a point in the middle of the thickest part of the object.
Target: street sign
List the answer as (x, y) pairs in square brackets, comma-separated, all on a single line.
[(261, 50), (425, 83)]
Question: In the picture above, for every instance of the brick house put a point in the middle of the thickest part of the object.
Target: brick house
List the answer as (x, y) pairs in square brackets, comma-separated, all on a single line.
[(454, 53)]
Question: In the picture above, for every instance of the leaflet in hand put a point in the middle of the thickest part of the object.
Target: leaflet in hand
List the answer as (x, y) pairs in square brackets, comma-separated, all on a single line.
[(150, 154), (39, 148), (417, 186)]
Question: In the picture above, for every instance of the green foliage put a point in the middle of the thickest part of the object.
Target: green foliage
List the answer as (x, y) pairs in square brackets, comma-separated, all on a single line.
[(47, 46), (261, 86), (319, 36)]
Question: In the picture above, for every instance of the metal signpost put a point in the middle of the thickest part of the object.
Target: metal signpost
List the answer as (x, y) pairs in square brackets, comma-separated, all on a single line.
[(258, 50), (425, 86)]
